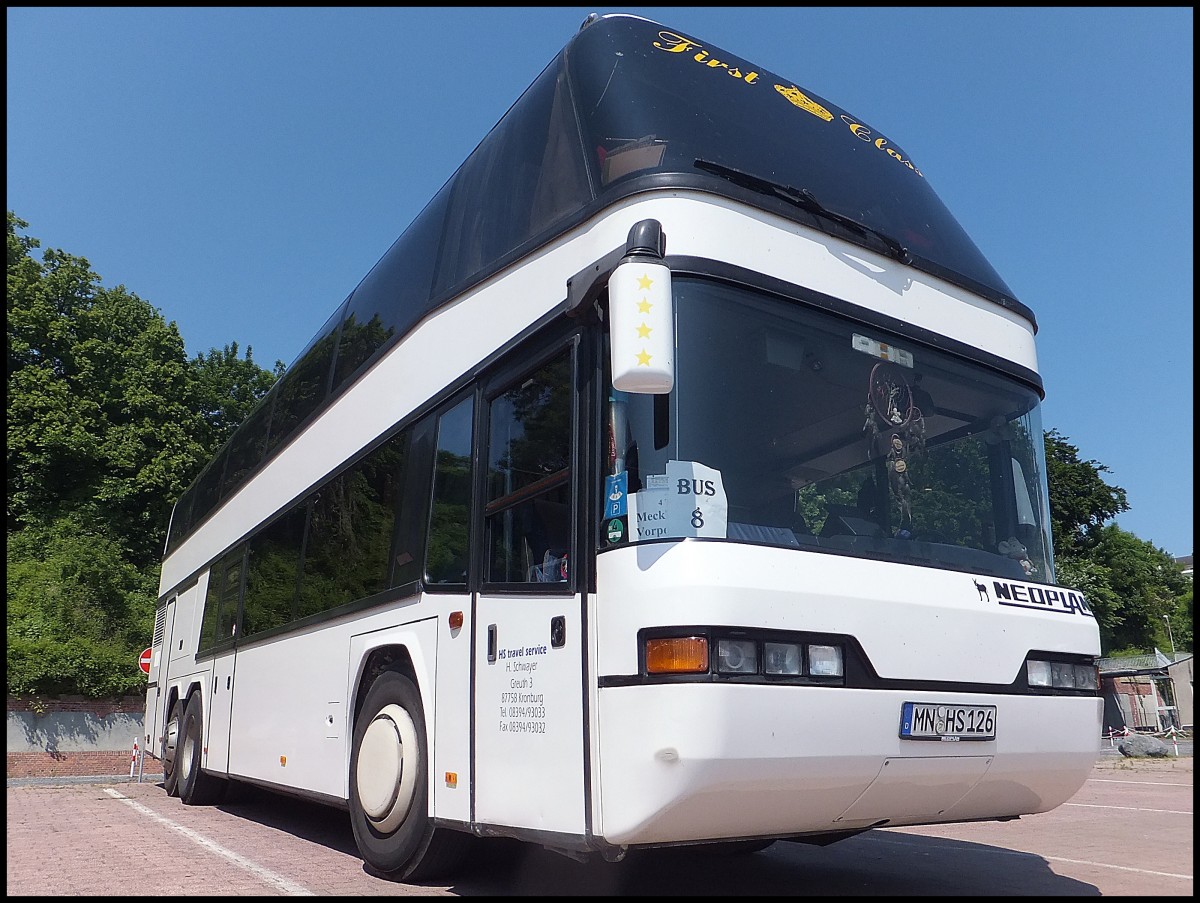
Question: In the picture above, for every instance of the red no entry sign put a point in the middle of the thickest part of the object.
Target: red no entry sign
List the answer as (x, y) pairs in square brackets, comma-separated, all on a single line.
[(144, 661)]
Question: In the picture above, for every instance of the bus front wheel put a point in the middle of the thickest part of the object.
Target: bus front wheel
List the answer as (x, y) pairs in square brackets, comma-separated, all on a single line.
[(389, 787)]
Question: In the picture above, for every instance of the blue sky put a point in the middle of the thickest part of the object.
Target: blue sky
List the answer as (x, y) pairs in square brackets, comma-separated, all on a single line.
[(241, 169)]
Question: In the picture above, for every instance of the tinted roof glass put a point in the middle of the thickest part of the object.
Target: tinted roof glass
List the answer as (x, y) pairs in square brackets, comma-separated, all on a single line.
[(653, 100)]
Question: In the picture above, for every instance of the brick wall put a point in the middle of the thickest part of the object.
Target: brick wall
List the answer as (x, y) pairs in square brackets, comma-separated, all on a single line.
[(74, 764), (74, 736), (101, 708)]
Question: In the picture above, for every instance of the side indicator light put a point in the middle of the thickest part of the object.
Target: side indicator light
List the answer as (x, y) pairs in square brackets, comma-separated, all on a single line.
[(677, 655)]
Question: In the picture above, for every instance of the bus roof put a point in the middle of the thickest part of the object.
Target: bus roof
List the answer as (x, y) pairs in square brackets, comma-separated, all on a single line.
[(629, 106)]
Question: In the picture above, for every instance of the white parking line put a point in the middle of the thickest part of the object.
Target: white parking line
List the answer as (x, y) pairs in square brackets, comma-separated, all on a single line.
[(1121, 868), (1149, 783), (288, 887), (1129, 808), (994, 850)]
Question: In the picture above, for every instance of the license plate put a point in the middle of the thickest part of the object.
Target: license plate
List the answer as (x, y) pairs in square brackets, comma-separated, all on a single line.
[(934, 721)]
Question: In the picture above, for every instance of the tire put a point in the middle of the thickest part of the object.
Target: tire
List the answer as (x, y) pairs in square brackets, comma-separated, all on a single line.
[(389, 788), (170, 749), (196, 788)]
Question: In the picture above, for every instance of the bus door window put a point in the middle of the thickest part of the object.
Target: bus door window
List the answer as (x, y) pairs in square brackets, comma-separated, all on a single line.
[(528, 508), (447, 553), (412, 505), (221, 604)]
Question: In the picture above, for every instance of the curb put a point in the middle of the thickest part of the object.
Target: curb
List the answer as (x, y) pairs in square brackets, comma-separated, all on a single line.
[(85, 779)]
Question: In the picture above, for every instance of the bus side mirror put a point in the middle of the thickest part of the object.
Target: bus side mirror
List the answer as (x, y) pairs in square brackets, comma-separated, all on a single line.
[(640, 321)]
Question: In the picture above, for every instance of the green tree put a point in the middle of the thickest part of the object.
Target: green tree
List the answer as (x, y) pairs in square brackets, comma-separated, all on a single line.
[(226, 389), (1182, 621), (1130, 584), (78, 610), (1147, 582), (108, 421), (1081, 503)]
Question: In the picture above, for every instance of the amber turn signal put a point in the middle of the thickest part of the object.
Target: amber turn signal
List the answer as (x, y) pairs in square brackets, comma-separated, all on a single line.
[(677, 655)]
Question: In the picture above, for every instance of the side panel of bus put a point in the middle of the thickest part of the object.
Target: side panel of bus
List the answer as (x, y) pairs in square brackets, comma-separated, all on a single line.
[(529, 712)]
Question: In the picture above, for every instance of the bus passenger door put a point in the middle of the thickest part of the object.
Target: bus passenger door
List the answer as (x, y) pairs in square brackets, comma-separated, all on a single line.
[(220, 707), (528, 736), (221, 627)]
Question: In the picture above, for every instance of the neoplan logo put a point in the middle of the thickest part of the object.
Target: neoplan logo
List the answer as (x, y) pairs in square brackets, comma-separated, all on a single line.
[(1042, 598)]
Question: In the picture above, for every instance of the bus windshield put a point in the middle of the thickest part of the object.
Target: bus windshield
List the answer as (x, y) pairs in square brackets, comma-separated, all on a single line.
[(795, 427)]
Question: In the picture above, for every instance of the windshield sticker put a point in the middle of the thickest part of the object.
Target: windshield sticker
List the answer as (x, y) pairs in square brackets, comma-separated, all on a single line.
[(1041, 598), (881, 350), (673, 43), (615, 493)]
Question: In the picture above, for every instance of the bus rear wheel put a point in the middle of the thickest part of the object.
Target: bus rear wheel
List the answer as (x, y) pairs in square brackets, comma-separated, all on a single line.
[(389, 787), (196, 788), (170, 750)]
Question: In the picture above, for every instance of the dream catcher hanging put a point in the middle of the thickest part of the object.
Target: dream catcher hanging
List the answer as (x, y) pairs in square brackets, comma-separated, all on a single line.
[(896, 430)]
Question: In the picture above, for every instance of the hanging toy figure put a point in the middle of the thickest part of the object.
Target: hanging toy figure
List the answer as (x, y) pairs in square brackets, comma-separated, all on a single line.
[(896, 429)]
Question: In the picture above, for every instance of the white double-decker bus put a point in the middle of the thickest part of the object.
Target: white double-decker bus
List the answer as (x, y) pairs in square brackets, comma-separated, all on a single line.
[(677, 477)]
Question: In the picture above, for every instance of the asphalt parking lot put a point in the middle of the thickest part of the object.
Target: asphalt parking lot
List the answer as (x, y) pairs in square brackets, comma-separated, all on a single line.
[(1127, 832)]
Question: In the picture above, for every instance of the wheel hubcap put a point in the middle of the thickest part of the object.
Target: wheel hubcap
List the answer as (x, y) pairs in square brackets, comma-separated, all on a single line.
[(171, 744), (388, 760)]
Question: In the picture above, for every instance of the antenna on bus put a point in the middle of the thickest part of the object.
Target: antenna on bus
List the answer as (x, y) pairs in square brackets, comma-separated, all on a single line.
[(641, 322)]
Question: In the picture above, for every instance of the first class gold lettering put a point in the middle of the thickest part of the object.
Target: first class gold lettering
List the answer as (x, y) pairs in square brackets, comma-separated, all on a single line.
[(673, 43), (862, 133)]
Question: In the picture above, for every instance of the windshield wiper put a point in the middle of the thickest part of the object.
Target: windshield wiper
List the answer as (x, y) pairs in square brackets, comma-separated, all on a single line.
[(805, 200)]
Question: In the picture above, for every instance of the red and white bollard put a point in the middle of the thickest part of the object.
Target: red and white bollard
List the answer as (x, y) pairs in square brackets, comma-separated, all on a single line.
[(133, 758)]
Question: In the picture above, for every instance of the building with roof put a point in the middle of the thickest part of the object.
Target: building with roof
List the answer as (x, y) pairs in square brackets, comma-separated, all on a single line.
[(1148, 693)]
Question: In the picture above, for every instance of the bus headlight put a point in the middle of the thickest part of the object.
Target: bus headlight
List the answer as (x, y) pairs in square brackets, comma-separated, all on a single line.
[(825, 661), (737, 656), (782, 658), (1038, 673), (1062, 675), (1086, 677)]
